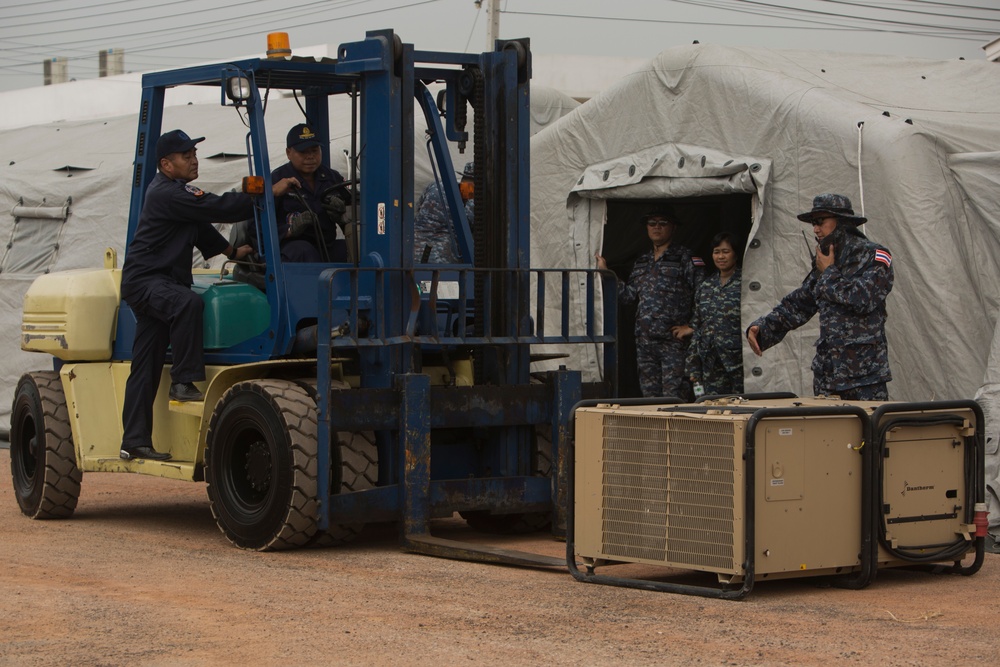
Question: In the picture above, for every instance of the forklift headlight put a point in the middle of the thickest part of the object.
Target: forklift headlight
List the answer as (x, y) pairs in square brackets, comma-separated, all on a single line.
[(238, 89)]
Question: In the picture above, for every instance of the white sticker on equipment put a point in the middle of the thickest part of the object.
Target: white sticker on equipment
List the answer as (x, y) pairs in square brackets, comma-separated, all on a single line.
[(784, 431), (381, 218)]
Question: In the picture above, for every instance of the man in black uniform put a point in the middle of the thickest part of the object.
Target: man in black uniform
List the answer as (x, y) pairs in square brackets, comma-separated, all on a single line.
[(156, 283), (308, 217)]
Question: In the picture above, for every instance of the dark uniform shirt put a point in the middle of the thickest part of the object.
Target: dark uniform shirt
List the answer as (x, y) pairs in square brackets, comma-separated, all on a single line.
[(715, 356), (176, 217), (664, 289), (326, 180), (850, 298)]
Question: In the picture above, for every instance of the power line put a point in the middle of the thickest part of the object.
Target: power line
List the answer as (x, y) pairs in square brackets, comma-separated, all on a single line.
[(822, 26), (799, 14), (313, 22), (171, 14), (472, 30), (952, 6), (35, 12), (253, 29), (835, 15), (889, 8), (170, 42)]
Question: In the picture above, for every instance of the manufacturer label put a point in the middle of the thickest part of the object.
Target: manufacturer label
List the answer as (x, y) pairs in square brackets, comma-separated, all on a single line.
[(777, 482), (916, 487), (381, 218)]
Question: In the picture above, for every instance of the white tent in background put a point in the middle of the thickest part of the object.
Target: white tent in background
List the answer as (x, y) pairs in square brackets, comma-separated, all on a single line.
[(914, 143), (65, 188)]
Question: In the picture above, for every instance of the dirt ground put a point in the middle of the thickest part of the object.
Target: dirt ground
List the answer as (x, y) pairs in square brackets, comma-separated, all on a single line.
[(142, 576)]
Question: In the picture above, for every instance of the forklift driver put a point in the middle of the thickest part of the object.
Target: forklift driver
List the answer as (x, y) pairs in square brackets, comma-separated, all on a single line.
[(309, 215)]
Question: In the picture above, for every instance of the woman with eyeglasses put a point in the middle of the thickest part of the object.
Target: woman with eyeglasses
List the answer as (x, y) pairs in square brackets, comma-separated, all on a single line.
[(662, 282), (715, 357)]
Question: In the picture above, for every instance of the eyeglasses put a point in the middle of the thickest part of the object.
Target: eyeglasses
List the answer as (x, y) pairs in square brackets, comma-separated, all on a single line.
[(658, 223)]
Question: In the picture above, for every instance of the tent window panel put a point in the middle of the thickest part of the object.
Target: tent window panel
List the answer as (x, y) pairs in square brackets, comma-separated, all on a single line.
[(34, 239), (32, 247)]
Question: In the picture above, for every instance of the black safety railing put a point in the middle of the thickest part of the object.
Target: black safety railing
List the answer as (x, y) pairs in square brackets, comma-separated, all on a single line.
[(436, 319)]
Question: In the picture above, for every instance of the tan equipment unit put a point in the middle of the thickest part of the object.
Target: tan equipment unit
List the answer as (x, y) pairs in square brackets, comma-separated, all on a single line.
[(764, 489)]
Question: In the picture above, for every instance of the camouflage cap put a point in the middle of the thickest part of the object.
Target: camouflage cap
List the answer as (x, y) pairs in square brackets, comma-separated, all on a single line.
[(469, 171), (826, 205)]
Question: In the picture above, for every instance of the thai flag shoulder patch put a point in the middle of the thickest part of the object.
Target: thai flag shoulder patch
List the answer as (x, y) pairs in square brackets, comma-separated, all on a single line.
[(697, 261), (883, 256)]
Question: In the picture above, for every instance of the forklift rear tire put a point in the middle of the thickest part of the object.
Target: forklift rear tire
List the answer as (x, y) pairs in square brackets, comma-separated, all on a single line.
[(42, 456), (260, 465)]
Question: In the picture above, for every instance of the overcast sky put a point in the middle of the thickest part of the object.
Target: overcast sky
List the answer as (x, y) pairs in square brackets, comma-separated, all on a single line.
[(156, 34)]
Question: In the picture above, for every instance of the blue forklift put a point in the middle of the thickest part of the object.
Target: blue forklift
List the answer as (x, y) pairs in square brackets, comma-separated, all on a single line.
[(344, 393)]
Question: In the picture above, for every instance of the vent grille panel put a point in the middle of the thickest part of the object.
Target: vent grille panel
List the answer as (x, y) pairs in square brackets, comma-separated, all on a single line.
[(668, 490)]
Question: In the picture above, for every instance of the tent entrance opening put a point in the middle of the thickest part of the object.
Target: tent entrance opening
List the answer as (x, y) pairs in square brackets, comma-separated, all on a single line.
[(625, 239)]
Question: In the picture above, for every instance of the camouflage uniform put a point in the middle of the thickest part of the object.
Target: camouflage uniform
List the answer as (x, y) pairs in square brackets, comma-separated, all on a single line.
[(715, 357), (852, 356), (664, 289), (432, 226)]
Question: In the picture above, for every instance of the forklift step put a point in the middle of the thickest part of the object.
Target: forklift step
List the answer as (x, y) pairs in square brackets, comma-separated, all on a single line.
[(193, 408)]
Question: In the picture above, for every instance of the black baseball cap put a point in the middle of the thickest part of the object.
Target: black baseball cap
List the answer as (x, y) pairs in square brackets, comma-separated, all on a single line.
[(174, 141), (301, 137)]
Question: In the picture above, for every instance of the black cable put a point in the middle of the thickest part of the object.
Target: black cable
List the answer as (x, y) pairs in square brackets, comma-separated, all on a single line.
[(883, 8), (216, 35), (835, 27), (170, 13), (838, 16), (298, 102), (320, 236), (953, 5)]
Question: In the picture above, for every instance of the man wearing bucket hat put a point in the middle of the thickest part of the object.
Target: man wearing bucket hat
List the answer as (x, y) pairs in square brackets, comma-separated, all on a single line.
[(847, 286), (662, 284)]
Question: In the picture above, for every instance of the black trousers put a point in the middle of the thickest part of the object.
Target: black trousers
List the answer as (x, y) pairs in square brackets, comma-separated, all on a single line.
[(168, 314)]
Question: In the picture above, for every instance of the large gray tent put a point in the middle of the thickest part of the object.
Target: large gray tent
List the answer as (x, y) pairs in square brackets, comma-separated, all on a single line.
[(914, 143)]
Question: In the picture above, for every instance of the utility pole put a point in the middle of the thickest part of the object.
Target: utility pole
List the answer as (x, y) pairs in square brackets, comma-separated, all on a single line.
[(493, 23)]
